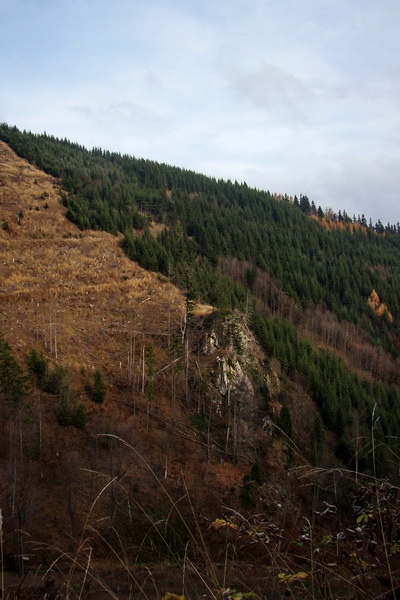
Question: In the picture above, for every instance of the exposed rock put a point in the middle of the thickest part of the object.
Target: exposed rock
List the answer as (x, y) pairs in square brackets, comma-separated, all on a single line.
[(237, 359)]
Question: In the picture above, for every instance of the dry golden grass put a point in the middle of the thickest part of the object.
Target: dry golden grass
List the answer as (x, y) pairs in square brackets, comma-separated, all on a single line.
[(78, 298), (59, 282)]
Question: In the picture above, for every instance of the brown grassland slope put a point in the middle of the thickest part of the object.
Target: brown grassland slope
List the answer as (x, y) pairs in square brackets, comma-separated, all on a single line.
[(76, 297), (57, 282)]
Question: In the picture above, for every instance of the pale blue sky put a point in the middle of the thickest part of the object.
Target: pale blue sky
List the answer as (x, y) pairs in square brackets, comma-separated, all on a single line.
[(295, 97)]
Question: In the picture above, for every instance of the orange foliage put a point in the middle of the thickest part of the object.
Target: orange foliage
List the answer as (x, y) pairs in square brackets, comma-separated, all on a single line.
[(374, 300), (341, 225), (379, 307)]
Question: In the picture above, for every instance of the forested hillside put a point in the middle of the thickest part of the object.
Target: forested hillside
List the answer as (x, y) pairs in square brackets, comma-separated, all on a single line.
[(205, 220), (294, 362), (229, 245)]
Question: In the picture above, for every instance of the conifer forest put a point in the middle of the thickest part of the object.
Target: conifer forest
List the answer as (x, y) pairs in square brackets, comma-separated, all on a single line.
[(199, 385)]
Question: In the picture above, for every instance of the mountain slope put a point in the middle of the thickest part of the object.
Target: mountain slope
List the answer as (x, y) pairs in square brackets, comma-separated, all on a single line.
[(81, 305), (147, 415), (328, 262), (64, 279)]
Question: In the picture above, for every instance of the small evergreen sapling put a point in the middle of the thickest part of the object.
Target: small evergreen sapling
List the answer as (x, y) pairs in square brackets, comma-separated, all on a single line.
[(99, 388)]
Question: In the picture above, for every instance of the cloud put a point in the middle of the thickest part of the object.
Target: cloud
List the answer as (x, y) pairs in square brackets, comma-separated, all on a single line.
[(360, 186), (84, 110), (296, 98), (131, 112), (272, 89)]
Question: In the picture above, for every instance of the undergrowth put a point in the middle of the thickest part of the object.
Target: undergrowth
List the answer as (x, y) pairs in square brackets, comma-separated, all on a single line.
[(328, 551)]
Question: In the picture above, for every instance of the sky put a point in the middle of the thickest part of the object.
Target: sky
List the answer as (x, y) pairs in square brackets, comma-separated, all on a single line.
[(291, 97)]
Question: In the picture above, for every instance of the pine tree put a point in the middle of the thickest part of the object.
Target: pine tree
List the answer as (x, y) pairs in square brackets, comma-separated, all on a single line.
[(12, 379), (305, 205), (38, 365), (99, 388), (256, 473), (80, 417)]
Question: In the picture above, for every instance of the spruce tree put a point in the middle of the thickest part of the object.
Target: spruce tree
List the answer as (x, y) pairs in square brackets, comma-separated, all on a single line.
[(99, 388), (12, 379)]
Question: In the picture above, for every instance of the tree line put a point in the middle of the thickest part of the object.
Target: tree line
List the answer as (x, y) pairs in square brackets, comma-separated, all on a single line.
[(207, 219)]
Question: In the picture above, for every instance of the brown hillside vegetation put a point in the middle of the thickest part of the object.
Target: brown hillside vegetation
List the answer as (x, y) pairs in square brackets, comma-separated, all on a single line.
[(77, 299), (67, 288), (182, 474)]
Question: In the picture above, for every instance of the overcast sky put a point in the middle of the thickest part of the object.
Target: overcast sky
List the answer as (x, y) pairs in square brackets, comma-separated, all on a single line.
[(293, 97)]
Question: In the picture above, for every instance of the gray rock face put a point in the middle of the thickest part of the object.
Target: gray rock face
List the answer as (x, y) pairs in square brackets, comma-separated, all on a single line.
[(236, 355), (232, 379)]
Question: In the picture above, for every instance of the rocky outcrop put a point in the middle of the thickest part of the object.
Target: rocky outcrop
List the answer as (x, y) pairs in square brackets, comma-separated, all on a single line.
[(238, 359)]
